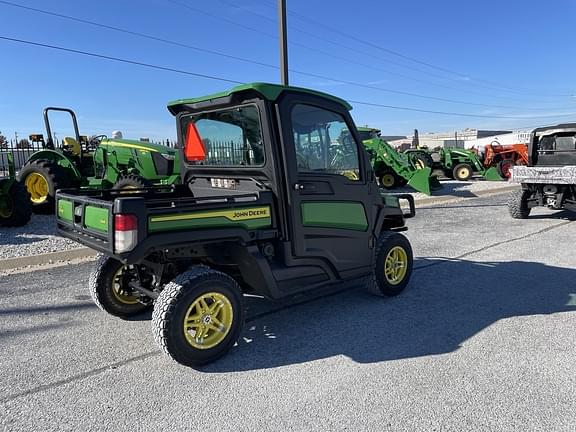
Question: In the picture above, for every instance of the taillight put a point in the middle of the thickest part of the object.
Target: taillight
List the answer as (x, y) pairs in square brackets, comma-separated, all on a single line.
[(194, 149), (125, 232)]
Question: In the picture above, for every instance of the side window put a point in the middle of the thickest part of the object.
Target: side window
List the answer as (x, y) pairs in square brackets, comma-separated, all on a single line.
[(565, 143), (323, 142)]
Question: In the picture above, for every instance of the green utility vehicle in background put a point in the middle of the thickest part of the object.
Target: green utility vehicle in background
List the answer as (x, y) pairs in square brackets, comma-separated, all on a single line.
[(455, 163), (394, 169), (15, 208), (98, 162), (549, 179), (272, 202)]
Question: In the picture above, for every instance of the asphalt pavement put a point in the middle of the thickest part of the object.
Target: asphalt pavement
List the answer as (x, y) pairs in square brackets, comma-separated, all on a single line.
[(482, 339)]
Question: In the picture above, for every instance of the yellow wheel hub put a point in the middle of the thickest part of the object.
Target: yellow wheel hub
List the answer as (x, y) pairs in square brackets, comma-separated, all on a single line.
[(419, 164), (463, 172), (208, 320), (37, 187), (119, 290), (387, 180), (396, 265)]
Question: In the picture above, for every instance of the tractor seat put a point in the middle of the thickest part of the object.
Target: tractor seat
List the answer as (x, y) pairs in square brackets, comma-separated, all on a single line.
[(73, 146)]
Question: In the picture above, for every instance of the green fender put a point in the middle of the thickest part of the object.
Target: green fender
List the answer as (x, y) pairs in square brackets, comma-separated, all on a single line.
[(57, 157)]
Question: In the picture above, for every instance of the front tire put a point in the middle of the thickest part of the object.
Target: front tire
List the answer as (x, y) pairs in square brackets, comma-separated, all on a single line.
[(518, 204), (392, 265), (198, 316), (131, 182), (462, 172), (110, 291), (17, 209), (504, 167), (388, 179)]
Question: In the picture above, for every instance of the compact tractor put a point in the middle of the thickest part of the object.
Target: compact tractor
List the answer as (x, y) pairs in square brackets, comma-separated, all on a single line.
[(96, 162), (549, 179), (504, 157), (272, 202), (15, 208)]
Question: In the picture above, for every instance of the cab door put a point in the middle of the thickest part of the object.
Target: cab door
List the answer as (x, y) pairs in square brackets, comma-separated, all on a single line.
[(331, 200)]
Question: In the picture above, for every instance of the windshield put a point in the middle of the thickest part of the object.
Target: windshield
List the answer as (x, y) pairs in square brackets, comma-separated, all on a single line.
[(230, 137)]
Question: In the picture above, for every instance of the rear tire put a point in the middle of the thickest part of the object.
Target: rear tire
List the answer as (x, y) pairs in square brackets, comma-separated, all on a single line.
[(198, 316), (109, 288), (18, 210), (421, 159), (42, 178), (518, 204), (131, 181), (462, 172), (504, 167), (392, 265)]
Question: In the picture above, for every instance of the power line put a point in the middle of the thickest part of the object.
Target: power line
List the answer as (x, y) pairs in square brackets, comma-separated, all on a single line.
[(183, 45), (409, 58), (121, 60), (216, 78)]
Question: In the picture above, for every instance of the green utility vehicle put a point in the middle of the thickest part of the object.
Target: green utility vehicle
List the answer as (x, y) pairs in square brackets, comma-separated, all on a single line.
[(549, 179), (271, 203), (15, 208), (455, 163), (394, 169), (98, 162)]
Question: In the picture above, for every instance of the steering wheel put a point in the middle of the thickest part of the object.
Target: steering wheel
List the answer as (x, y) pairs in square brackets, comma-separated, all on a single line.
[(94, 141)]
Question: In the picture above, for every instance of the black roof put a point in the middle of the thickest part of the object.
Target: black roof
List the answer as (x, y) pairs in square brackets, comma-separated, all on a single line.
[(548, 130)]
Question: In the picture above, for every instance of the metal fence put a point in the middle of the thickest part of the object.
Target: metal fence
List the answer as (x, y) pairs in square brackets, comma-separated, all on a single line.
[(228, 153)]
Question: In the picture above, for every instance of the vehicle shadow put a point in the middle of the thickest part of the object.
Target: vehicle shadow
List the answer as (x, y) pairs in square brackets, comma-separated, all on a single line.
[(448, 302)]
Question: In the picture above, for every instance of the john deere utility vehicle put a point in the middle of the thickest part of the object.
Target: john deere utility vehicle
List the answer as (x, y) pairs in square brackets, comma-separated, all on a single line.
[(454, 163), (97, 162), (394, 169), (15, 208), (549, 179), (271, 203)]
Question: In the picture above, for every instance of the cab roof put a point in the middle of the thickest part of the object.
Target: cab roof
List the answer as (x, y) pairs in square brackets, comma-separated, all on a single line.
[(267, 91)]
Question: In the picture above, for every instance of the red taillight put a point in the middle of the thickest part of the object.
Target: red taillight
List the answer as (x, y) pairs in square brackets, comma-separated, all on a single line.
[(194, 149), (125, 232)]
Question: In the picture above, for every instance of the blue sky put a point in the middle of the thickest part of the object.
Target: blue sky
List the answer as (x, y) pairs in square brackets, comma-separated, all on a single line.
[(502, 58)]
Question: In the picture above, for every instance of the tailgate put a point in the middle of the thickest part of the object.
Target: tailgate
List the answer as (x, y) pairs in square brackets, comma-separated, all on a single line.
[(86, 219)]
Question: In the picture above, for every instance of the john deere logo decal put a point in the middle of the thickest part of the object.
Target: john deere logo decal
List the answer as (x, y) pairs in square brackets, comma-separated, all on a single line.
[(232, 215)]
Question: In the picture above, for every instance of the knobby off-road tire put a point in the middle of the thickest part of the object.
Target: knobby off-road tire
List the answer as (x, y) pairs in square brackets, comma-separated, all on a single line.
[(19, 207), (198, 316), (462, 172), (131, 181), (109, 288), (518, 204), (421, 159), (392, 267), (42, 178)]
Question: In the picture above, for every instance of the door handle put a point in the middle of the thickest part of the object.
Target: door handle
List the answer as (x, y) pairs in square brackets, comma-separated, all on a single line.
[(304, 187)]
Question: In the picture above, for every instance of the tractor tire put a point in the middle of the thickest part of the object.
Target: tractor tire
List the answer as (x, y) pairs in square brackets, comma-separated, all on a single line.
[(504, 167), (109, 288), (131, 181), (42, 178), (388, 179), (462, 172), (392, 265), (18, 208), (198, 316), (518, 204), (422, 160)]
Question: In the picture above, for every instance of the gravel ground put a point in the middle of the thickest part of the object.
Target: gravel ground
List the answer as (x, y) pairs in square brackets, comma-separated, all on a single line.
[(39, 236)]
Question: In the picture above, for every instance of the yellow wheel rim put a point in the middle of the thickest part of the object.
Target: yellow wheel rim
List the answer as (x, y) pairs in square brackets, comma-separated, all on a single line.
[(351, 175), (387, 180), (208, 320), (37, 187), (463, 172), (119, 291), (396, 265), (128, 189), (419, 164)]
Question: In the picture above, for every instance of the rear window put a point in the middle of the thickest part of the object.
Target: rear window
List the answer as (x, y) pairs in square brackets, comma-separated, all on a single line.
[(230, 137)]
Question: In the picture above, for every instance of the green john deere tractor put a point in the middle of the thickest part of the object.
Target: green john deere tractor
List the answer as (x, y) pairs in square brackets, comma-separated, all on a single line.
[(15, 208), (394, 169), (455, 163), (95, 162)]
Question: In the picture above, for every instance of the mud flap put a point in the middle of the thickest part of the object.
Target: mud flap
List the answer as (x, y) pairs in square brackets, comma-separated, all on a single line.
[(422, 182)]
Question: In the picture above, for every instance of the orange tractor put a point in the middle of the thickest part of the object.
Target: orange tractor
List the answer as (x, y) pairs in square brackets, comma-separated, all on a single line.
[(504, 157)]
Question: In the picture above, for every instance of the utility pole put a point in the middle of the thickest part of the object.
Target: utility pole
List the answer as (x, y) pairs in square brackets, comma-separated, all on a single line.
[(16, 138), (283, 42)]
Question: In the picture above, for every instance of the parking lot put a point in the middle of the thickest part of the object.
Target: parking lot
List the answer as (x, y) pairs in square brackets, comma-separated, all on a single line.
[(483, 339)]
